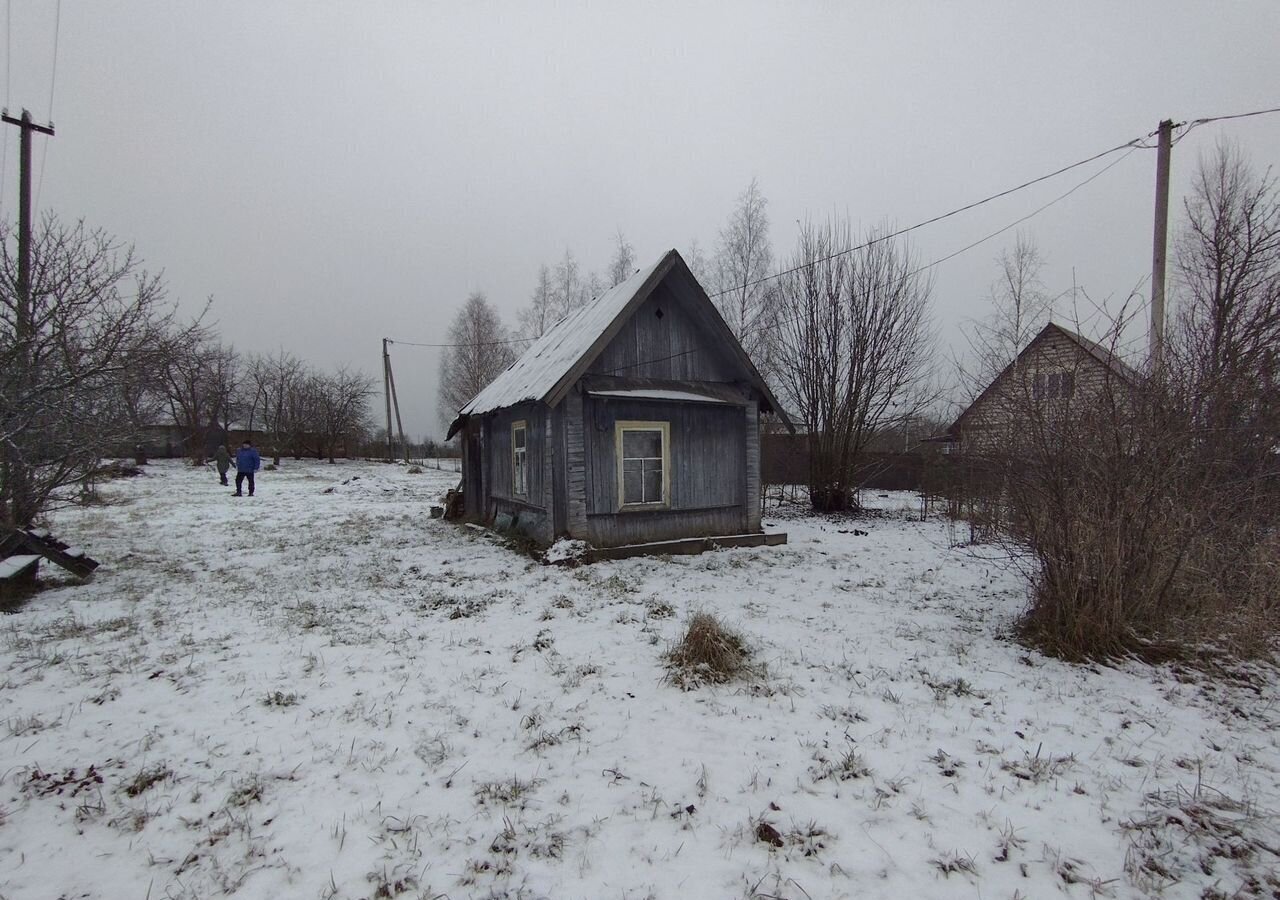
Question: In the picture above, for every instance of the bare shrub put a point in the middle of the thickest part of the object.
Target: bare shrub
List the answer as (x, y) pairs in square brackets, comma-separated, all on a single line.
[(1147, 532), (708, 653)]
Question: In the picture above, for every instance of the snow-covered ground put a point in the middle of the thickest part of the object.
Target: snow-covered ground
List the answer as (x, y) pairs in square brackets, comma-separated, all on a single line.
[(323, 692)]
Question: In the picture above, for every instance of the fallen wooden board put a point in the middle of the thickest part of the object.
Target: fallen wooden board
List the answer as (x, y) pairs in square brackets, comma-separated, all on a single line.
[(41, 542), (686, 546), (15, 567)]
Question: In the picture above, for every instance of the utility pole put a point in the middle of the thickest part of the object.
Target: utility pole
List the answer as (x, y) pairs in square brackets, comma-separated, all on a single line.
[(23, 326), (395, 402), (1164, 149), (386, 390)]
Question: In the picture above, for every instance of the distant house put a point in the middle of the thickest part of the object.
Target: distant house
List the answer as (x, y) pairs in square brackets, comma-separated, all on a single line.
[(1058, 370), (635, 419)]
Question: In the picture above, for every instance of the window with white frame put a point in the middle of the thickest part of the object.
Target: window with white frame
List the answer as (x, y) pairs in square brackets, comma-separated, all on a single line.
[(519, 459), (644, 455)]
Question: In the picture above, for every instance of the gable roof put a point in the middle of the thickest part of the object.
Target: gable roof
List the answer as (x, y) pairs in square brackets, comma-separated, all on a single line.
[(555, 361), (1096, 351)]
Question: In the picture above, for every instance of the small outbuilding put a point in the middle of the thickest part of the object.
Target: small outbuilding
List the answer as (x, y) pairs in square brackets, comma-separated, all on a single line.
[(634, 420)]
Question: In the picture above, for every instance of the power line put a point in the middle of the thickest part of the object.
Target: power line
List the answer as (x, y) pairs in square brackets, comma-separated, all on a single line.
[(937, 262), (53, 79), (8, 80), (1133, 144), (474, 344), (1137, 143), (1257, 112)]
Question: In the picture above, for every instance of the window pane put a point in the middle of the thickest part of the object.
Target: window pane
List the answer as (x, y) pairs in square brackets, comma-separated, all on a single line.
[(1068, 384), (638, 444), (519, 437), (632, 481), (653, 481), (1037, 387), (520, 475)]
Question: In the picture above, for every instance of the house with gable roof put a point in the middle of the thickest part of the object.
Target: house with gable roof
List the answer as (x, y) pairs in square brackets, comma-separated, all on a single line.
[(634, 420), (1059, 371)]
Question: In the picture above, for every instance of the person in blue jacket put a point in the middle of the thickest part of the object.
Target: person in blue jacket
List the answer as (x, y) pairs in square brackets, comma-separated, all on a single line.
[(247, 462)]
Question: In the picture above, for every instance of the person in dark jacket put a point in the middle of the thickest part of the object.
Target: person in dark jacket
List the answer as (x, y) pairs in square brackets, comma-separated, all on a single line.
[(247, 462), (222, 459)]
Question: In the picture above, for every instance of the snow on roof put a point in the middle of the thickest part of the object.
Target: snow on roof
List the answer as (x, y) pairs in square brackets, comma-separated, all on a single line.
[(658, 394), (536, 373)]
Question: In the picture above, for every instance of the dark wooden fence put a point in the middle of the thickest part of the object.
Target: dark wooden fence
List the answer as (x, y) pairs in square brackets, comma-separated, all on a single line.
[(784, 459)]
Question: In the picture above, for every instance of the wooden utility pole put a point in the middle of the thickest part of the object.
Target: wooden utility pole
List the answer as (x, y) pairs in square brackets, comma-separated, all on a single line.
[(22, 327), (1164, 149), (395, 402), (386, 390)]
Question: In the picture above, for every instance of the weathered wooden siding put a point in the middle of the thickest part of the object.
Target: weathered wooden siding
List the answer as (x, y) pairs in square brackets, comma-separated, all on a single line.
[(499, 453), (994, 419), (674, 345), (708, 464), (752, 462), (559, 473), (575, 464), (644, 527)]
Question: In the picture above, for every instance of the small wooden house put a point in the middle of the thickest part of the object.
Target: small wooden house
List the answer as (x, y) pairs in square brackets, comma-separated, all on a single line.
[(636, 419), (1059, 371)]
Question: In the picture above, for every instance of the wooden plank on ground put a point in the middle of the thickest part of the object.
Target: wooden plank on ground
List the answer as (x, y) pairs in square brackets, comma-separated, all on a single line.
[(687, 546), (15, 567)]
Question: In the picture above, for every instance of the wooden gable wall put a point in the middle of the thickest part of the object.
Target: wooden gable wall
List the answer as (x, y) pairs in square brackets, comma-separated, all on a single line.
[(675, 345)]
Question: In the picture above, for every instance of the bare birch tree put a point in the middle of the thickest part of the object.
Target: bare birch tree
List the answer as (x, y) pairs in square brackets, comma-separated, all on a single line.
[(623, 264), (570, 291), (1019, 306), (854, 339), (541, 313), (743, 258), (481, 349), (698, 264)]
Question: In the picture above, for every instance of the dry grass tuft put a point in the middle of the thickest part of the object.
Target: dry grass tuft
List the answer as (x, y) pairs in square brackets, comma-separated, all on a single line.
[(708, 653)]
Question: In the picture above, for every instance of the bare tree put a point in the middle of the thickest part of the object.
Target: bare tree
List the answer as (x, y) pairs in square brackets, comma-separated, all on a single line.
[(743, 258), (570, 291), (1226, 336), (201, 377), (1019, 308), (342, 407), (623, 264), (698, 265), (71, 353), (271, 381), (854, 339), (481, 349), (541, 313)]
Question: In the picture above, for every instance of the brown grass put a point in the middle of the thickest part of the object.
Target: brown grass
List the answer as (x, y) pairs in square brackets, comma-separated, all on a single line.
[(708, 653)]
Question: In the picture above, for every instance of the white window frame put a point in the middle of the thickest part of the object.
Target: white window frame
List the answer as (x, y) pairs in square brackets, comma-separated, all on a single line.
[(520, 460), (620, 428)]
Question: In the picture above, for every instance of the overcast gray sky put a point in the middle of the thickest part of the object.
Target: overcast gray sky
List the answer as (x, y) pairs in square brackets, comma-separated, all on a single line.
[(332, 173)]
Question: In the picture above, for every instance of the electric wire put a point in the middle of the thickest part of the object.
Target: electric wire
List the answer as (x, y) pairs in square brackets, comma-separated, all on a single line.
[(1131, 145), (937, 262), (8, 63), (53, 79), (1135, 143)]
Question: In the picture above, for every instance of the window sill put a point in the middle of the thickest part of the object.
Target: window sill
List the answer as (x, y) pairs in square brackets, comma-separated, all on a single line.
[(643, 507)]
